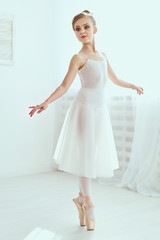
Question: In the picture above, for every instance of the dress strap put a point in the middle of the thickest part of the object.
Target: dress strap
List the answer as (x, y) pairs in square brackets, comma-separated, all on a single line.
[(83, 55), (103, 55)]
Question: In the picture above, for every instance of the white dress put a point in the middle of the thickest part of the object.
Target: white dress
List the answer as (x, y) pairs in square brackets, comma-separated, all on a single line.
[(86, 144)]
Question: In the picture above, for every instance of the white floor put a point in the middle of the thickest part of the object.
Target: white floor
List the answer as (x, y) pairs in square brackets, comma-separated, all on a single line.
[(45, 201)]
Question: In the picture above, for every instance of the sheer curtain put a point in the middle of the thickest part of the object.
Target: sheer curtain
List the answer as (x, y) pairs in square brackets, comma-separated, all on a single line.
[(142, 171), (136, 128)]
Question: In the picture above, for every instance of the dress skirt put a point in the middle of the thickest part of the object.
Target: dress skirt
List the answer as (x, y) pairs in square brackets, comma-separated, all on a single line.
[(86, 145)]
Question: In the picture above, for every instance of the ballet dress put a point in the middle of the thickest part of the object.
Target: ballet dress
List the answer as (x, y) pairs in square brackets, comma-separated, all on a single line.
[(86, 145)]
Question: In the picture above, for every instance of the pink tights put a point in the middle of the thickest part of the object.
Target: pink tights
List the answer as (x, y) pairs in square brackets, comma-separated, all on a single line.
[(85, 188), (85, 185)]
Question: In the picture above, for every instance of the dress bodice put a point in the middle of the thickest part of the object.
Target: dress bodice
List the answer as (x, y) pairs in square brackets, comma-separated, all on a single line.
[(94, 73)]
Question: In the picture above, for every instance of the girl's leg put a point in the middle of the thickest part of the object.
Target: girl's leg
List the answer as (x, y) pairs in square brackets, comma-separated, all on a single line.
[(85, 185), (85, 188), (80, 189)]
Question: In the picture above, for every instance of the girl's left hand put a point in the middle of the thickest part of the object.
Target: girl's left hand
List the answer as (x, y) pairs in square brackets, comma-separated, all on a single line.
[(139, 90), (42, 107)]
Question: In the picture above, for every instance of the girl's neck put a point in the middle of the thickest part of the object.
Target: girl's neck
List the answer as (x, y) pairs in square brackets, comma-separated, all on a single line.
[(89, 50)]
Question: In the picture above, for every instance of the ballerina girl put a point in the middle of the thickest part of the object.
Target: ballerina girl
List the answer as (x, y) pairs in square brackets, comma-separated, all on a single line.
[(86, 146)]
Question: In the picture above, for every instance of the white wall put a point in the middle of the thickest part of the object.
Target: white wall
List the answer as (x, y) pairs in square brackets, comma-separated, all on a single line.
[(44, 44), (27, 143)]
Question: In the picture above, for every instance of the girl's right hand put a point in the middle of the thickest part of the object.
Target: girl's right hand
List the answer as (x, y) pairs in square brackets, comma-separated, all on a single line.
[(42, 107)]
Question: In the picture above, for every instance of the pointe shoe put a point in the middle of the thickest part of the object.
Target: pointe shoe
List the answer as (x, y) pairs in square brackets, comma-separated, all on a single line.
[(80, 209), (90, 222)]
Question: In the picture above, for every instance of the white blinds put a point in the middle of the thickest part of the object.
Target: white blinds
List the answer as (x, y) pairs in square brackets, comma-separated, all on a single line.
[(6, 39)]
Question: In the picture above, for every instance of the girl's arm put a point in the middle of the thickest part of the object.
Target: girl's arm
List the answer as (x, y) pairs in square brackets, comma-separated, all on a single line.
[(120, 82), (70, 76), (75, 63)]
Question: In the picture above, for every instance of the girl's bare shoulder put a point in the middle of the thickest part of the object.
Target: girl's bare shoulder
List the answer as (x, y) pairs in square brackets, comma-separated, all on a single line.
[(77, 57), (77, 60)]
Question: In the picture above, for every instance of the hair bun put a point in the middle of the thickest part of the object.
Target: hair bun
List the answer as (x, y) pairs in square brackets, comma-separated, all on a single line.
[(86, 11)]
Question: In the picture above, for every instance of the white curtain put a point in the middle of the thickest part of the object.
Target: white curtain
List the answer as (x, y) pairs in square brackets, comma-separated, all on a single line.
[(142, 172)]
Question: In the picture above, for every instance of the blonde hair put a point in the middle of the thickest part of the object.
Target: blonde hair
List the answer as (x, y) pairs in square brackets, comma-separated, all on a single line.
[(81, 15)]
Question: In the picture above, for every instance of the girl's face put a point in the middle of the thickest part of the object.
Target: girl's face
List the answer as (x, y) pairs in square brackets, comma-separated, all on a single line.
[(84, 29)]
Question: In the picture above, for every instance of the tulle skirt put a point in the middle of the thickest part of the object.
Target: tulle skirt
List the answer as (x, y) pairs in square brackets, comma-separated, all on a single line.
[(86, 145)]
